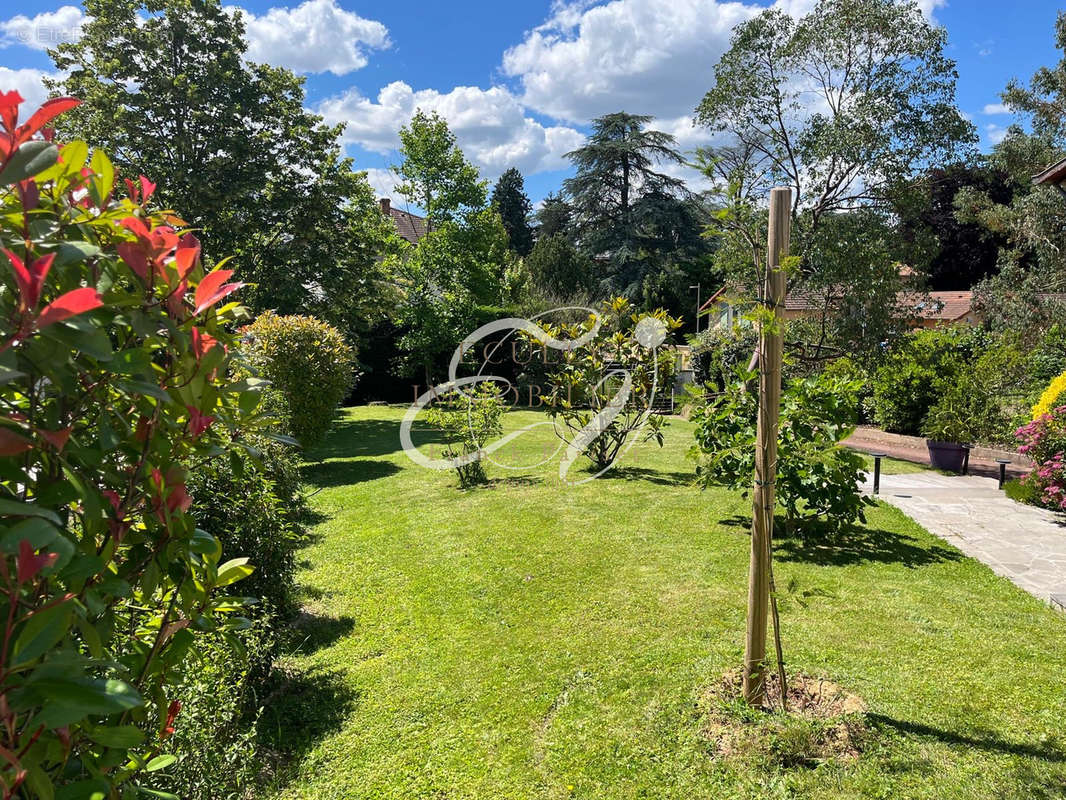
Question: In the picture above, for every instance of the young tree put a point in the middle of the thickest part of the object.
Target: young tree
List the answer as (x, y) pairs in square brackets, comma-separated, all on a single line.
[(457, 268), (511, 203), (434, 173), (168, 91)]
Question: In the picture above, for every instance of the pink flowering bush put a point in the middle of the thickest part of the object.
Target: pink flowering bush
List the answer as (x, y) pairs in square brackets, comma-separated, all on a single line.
[(1044, 441)]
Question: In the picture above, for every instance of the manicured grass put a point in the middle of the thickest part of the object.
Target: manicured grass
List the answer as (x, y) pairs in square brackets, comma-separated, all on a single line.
[(527, 640)]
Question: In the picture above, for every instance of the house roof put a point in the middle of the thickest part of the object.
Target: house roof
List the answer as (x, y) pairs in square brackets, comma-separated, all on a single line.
[(943, 306), (410, 226), (1053, 174)]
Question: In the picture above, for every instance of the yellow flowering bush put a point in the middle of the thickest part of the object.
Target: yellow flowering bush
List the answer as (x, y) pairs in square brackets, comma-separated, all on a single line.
[(1055, 391)]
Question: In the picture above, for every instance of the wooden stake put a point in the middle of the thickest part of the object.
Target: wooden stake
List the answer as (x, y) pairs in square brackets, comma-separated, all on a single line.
[(770, 348)]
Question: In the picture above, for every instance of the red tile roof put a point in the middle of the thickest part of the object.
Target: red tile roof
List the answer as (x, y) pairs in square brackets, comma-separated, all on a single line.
[(410, 226), (944, 306)]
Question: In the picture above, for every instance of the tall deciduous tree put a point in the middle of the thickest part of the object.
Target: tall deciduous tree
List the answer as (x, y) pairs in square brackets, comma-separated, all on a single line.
[(434, 173), (512, 204), (456, 270), (169, 93), (841, 105), (844, 105)]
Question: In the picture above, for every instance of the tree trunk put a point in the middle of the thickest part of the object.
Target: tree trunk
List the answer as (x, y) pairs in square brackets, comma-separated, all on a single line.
[(770, 348)]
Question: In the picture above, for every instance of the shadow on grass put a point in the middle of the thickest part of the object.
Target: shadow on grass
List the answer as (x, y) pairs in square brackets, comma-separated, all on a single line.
[(985, 740), (656, 476), (302, 708), (360, 438), (345, 473), (310, 632), (816, 544)]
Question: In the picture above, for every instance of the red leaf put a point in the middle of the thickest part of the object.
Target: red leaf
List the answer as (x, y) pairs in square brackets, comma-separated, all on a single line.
[(22, 277), (147, 189), (187, 254), (210, 290), (30, 564), (11, 444), (172, 714), (134, 258), (30, 279), (58, 439), (202, 343), (43, 115), (176, 301), (9, 109), (198, 422), (135, 225), (29, 194), (69, 305)]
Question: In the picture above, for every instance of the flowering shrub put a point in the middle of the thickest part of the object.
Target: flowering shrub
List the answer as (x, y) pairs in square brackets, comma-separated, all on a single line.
[(115, 385), (1055, 390), (1044, 441)]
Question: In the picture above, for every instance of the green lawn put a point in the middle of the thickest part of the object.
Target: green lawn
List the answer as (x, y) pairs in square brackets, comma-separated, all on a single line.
[(527, 640)]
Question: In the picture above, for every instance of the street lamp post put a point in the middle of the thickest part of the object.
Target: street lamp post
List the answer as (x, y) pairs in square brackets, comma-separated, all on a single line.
[(697, 288)]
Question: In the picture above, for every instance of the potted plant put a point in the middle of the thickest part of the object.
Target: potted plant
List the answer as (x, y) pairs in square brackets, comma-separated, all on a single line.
[(948, 429)]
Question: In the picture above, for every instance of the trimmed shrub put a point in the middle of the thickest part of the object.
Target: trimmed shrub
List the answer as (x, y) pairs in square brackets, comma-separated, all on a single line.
[(310, 365), (255, 506)]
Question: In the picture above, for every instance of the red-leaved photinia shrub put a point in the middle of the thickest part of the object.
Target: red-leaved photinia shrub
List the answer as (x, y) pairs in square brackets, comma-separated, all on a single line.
[(114, 384), (1044, 441)]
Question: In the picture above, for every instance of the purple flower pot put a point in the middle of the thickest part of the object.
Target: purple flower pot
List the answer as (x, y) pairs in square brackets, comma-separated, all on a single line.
[(948, 456)]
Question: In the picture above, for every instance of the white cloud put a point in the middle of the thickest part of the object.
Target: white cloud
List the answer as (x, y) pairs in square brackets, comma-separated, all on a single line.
[(641, 56), (383, 181), (490, 125), (44, 30), (995, 133), (315, 36), (27, 82), (996, 108)]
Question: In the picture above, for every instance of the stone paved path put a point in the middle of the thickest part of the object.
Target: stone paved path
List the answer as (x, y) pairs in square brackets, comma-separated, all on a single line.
[(1024, 544)]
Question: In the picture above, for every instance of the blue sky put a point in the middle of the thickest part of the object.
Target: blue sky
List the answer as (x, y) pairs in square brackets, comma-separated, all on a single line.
[(519, 81)]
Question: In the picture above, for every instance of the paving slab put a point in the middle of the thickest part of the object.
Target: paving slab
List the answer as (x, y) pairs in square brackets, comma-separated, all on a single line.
[(1024, 544)]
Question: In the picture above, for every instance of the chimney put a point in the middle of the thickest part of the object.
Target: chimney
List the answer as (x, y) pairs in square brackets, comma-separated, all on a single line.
[(385, 204)]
